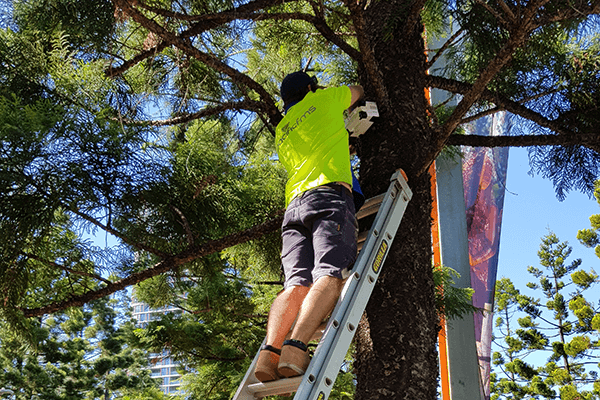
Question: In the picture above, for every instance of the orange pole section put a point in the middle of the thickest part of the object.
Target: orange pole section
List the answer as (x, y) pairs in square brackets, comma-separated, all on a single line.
[(435, 243), (437, 262)]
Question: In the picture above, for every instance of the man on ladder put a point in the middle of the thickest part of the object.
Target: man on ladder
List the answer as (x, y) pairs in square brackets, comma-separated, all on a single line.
[(319, 230)]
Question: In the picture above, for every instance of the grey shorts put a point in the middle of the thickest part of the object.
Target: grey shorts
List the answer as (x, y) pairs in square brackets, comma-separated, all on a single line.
[(319, 234)]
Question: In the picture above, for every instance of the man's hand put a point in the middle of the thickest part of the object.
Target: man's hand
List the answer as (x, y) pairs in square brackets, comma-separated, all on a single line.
[(357, 95)]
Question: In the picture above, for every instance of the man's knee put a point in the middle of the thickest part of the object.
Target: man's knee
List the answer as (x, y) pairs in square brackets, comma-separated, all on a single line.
[(328, 283), (296, 291), (330, 279)]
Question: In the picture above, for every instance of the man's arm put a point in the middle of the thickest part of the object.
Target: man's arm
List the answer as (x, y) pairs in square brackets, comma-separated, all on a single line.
[(357, 95)]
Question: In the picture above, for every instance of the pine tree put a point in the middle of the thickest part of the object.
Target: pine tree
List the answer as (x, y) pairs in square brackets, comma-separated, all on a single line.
[(103, 103), (558, 329), (83, 353)]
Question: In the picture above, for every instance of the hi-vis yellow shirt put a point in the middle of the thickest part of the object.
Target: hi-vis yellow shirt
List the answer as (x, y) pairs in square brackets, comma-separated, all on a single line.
[(312, 141)]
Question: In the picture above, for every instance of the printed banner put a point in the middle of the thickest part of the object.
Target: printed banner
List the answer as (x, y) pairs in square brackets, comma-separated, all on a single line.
[(484, 179)]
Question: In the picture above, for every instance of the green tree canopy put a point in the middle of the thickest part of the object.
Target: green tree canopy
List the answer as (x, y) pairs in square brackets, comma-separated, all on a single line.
[(151, 122), (84, 353), (549, 347)]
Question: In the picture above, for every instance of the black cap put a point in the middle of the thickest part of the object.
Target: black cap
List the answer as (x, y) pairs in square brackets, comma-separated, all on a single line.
[(295, 84)]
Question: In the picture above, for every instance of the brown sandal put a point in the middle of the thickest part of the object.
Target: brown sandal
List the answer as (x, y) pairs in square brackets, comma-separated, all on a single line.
[(294, 359), (266, 366)]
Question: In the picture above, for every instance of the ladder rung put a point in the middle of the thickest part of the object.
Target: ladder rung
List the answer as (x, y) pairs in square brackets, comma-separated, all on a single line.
[(279, 386), (282, 386), (371, 206), (362, 237)]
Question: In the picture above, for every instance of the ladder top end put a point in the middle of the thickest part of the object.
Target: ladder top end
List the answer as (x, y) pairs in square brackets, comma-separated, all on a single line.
[(398, 172), (404, 174)]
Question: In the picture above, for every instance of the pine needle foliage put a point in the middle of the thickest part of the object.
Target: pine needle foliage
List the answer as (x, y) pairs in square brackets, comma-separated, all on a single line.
[(149, 123), (548, 347), (556, 74), (452, 302), (589, 237), (80, 354)]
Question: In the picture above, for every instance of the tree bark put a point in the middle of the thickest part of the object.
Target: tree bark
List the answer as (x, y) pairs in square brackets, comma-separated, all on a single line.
[(396, 342)]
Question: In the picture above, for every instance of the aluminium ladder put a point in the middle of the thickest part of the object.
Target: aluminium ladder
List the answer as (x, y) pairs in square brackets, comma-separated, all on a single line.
[(317, 382)]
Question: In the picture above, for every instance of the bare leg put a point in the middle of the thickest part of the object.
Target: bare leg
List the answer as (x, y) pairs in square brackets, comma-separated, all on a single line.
[(283, 313), (317, 305), (319, 302)]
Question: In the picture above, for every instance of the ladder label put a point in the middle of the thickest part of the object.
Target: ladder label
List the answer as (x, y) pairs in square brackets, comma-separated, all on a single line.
[(380, 256)]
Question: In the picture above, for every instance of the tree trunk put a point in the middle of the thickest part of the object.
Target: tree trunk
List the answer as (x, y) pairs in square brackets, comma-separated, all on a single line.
[(396, 341)]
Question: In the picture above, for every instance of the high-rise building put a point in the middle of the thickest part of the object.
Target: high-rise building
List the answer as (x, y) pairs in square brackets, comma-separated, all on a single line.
[(163, 367)]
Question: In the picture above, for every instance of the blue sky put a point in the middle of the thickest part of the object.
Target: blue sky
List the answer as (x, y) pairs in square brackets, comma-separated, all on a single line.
[(531, 210)]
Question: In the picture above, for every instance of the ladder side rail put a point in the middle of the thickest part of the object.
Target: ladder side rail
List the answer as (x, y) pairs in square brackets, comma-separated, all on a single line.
[(344, 335), (242, 392), (250, 388), (245, 390), (323, 370), (353, 282)]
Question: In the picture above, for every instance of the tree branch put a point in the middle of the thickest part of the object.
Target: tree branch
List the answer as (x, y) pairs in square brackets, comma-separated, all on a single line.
[(208, 59), (67, 269), (319, 24), (247, 104), (251, 6), (111, 71), (507, 104), (521, 140), (211, 21), (507, 10), (185, 223), (168, 263), (444, 47), (518, 36), (481, 114), (118, 234), (206, 22), (574, 11), (324, 29), (203, 23), (494, 13)]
